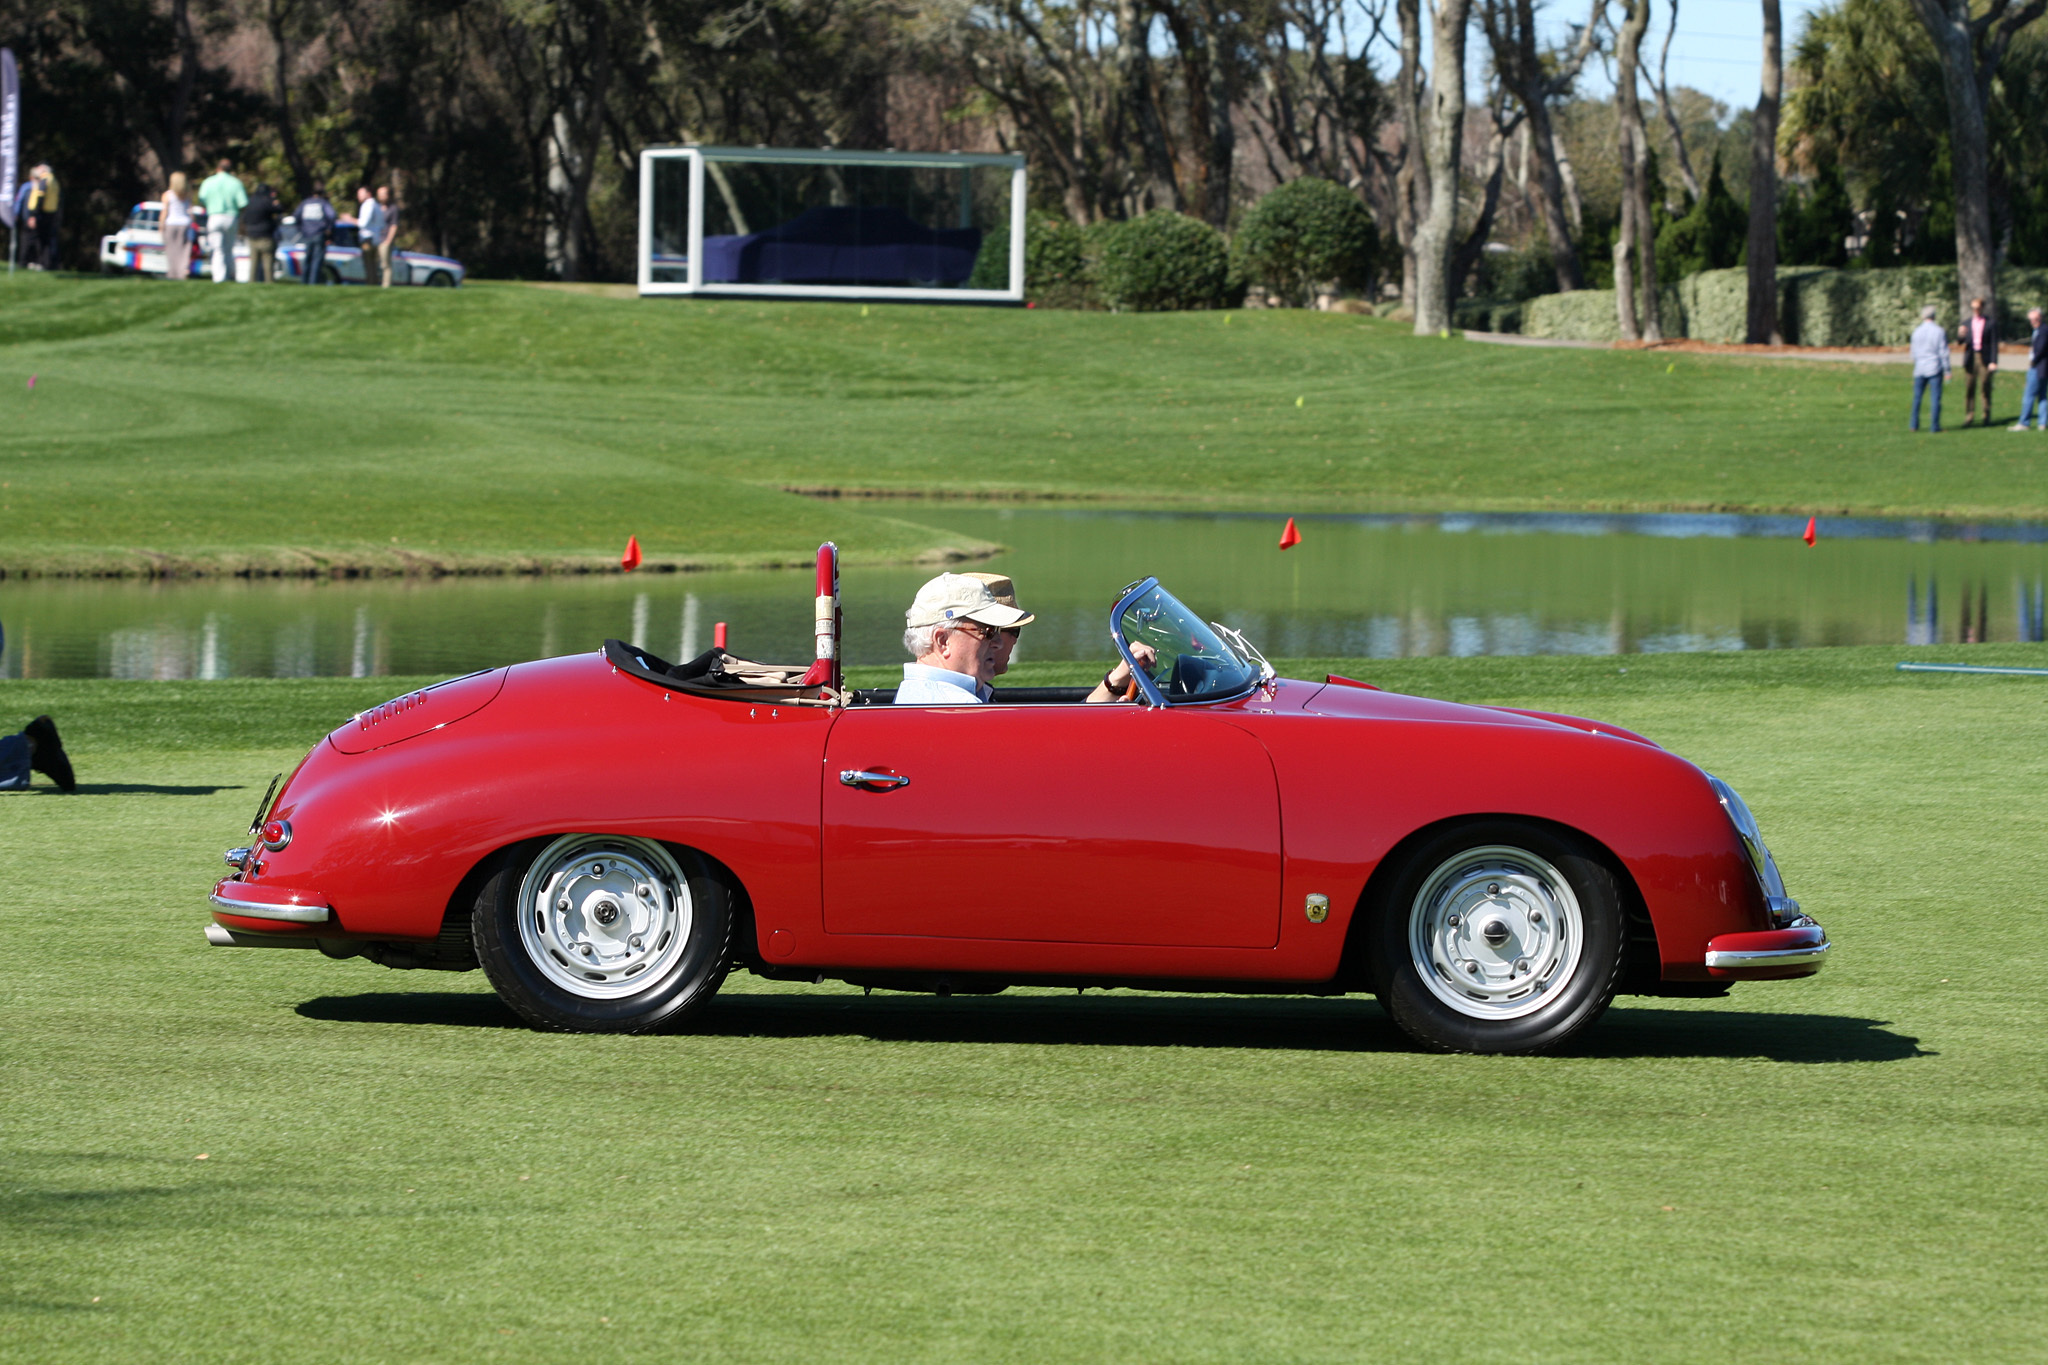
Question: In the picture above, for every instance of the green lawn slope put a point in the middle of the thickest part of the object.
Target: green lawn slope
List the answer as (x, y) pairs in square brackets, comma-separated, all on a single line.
[(264, 1156), (180, 426)]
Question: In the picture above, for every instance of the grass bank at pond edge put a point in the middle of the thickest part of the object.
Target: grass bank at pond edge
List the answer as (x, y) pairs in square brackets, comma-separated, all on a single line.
[(196, 427)]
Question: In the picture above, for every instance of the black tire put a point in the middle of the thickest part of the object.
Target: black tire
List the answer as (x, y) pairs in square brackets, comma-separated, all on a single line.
[(1552, 971), (329, 274), (440, 279), (676, 979)]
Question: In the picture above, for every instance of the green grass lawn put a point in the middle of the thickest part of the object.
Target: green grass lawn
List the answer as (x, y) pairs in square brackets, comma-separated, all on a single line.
[(1848, 1168), (500, 425)]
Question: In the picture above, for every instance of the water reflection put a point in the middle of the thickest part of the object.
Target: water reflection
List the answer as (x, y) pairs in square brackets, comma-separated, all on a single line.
[(1370, 586)]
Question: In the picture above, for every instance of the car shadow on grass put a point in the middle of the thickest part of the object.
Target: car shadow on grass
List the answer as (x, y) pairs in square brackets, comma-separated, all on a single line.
[(139, 789), (1103, 1020)]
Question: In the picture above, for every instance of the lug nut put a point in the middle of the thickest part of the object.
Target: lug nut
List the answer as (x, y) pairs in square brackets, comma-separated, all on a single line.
[(1493, 888), (1454, 920), (597, 869)]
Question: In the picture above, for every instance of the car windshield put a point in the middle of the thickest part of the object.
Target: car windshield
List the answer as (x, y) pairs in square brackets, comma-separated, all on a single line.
[(1194, 663)]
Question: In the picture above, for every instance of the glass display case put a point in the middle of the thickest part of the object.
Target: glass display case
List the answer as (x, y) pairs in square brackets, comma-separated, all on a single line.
[(787, 223)]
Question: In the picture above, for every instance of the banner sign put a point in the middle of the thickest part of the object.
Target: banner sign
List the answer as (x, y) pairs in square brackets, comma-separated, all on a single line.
[(10, 132)]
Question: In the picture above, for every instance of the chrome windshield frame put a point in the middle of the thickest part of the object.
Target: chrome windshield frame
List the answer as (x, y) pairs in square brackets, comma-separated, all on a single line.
[(1147, 688)]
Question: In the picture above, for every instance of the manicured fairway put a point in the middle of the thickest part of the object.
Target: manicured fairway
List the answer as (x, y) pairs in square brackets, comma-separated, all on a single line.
[(178, 424), (1850, 1168)]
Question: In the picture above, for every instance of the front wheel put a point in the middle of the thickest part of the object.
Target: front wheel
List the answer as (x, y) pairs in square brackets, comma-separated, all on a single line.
[(600, 933), (440, 279), (1498, 937)]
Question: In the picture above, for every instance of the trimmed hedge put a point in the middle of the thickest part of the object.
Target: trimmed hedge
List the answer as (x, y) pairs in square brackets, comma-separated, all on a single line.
[(1306, 234), (1163, 262), (1815, 307)]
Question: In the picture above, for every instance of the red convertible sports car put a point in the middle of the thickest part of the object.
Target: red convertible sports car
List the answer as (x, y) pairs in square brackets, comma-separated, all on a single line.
[(608, 835)]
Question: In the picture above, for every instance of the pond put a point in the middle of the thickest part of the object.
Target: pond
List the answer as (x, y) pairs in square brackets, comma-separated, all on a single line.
[(1357, 586)]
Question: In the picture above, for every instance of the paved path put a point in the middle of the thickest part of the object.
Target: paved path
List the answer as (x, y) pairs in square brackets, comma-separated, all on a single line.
[(1868, 355)]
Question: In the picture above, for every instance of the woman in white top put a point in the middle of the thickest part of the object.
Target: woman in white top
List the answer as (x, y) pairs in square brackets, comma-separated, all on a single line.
[(176, 226)]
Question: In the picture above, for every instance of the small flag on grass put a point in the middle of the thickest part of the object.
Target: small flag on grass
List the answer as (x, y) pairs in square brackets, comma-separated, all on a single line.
[(1811, 533), (630, 560), (1290, 537)]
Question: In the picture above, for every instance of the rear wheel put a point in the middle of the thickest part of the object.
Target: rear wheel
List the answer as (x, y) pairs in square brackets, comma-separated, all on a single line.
[(440, 279), (329, 275), (600, 933), (1500, 937)]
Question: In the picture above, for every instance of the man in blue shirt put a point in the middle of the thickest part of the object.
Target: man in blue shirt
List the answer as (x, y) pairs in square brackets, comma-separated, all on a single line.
[(952, 630)]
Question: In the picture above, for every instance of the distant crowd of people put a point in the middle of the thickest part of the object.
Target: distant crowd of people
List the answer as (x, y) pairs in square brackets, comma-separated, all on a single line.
[(1978, 338), (255, 214)]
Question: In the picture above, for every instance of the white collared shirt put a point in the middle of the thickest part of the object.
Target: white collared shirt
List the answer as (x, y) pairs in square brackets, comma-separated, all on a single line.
[(924, 685)]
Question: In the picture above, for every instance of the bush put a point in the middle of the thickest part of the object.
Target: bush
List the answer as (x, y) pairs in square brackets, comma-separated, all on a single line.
[(1515, 276), (1814, 225), (1163, 262), (1711, 236), (1057, 270), (1306, 234)]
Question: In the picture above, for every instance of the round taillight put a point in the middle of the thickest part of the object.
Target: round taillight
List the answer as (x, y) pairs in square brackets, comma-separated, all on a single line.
[(276, 834)]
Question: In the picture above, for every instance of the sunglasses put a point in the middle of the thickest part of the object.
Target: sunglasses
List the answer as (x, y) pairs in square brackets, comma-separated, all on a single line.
[(979, 630)]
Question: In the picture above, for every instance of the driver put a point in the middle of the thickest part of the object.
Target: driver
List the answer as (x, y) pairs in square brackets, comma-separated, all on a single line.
[(1114, 683), (952, 631)]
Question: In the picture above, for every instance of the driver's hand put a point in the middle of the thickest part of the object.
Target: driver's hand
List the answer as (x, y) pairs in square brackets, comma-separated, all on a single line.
[(1146, 657)]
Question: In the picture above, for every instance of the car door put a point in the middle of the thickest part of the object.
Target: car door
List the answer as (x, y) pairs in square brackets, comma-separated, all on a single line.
[(1077, 824)]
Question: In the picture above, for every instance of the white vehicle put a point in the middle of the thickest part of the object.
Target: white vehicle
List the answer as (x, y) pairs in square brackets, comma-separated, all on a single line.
[(138, 249)]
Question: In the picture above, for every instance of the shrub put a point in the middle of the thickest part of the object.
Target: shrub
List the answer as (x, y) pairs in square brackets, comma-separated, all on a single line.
[(1163, 262), (1057, 271), (1814, 225), (1305, 234), (1515, 276), (1711, 236)]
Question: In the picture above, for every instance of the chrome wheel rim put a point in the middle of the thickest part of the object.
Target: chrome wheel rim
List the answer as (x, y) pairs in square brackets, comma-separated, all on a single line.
[(605, 917), (1495, 933)]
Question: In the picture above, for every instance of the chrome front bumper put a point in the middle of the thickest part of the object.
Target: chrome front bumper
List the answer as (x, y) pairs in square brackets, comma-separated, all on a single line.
[(1800, 949)]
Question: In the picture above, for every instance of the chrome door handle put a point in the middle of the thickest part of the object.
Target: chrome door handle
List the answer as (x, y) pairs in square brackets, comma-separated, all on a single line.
[(867, 781)]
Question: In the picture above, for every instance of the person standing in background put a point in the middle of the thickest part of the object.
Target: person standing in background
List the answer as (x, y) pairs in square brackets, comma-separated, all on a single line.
[(387, 243), (1979, 336), (259, 224), (2035, 398), (315, 216), (175, 224), (369, 231), (45, 216), (1930, 365), (22, 192), (225, 199)]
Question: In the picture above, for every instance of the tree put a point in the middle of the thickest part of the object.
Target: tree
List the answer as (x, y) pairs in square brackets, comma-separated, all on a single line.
[(1637, 243), (1970, 48), (1536, 78), (1763, 190), (1708, 237), (1443, 138)]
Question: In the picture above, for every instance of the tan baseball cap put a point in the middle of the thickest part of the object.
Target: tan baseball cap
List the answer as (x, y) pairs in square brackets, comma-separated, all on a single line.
[(958, 597), (1004, 591)]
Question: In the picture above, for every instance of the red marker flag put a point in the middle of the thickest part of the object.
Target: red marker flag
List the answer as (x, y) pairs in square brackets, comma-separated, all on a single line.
[(1290, 537), (630, 560), (1810, 536)]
